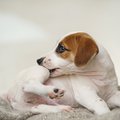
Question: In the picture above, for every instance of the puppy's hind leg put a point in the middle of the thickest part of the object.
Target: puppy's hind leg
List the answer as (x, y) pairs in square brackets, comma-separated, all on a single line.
[(42, 108), (42, 90), (34, 79)]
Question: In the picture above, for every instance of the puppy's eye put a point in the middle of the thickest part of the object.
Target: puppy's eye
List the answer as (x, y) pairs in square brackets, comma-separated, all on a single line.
[(61, 49)]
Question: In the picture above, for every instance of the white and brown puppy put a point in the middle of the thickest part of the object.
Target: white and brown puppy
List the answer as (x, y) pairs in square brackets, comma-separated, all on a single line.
[(86, 74)]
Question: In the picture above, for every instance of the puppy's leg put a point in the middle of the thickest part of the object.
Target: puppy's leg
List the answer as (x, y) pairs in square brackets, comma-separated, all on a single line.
[(42, 108), (89, 99), (33, 79), (50, 109), (114, 100), (34, 86)]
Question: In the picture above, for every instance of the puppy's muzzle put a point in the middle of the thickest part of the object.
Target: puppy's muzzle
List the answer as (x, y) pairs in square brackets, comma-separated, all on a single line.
[(40, 61)]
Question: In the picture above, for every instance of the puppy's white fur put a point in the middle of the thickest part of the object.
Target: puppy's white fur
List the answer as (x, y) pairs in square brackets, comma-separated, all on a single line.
[(93, 86), (29, 92)]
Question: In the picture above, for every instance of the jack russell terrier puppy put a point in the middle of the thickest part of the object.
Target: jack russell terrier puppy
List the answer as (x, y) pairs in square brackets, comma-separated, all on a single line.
[(78, 71)]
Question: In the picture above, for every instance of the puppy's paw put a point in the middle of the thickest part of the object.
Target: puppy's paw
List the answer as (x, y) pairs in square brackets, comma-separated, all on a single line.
[(56, 93), (65, 108)]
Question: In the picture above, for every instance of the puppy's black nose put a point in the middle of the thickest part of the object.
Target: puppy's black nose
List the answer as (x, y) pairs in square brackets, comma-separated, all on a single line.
[(39, 61)]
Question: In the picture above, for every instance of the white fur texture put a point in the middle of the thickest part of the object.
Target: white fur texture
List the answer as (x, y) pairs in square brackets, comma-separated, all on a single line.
[(93, 86)]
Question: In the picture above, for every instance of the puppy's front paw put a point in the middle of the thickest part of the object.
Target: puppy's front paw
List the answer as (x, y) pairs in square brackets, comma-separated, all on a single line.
[(56, 93)]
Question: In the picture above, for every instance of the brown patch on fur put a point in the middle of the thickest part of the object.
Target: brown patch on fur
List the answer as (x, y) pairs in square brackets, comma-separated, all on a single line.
[(82, 47), (70, 45), (65, 54)]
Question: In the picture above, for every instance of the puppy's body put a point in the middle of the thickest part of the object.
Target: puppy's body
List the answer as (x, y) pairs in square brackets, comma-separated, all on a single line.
[(99, 77), (86, 73), (76, 83), (93, 77)]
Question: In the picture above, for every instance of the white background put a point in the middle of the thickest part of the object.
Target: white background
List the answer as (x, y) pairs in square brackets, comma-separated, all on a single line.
[(30, 28)]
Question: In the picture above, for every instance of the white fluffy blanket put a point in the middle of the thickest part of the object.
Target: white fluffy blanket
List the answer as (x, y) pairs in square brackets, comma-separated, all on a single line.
[(7, 113)]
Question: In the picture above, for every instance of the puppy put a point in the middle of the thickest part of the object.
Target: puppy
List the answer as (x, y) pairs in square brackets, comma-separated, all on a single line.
[(77, 72), (89, 76)]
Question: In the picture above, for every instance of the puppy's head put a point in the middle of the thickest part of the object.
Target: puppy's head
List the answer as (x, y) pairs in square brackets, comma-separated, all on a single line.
[(78, 49)]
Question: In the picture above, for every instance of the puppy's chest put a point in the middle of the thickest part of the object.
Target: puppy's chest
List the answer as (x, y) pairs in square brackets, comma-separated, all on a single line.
[(106, 91), (105, 87)]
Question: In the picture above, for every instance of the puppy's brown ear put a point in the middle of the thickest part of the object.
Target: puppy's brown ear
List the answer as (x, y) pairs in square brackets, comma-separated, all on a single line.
[(86, 50)]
